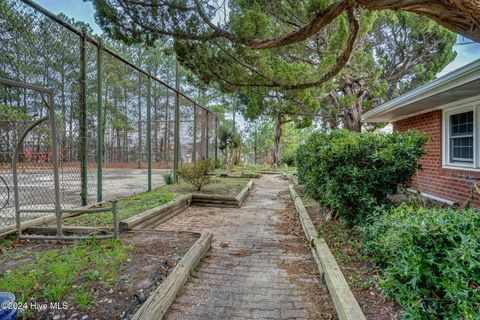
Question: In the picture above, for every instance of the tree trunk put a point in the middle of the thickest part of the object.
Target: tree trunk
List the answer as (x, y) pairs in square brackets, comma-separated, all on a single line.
[(352, 117), (278, 139), (333, 123)]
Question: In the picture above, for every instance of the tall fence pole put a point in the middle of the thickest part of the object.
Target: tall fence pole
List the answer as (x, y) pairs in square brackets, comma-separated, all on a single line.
[(216, 139), (83, 119), (149, 132), (206, 135), (56, 174), (176, 145), (194, 154), (99, 125)]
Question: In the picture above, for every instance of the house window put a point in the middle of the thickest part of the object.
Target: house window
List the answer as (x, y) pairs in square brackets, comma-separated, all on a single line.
[(461, 137)]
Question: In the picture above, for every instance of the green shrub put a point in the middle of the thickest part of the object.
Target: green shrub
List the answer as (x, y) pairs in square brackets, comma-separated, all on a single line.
[(430, 259), (197, 175), (351, 172), (168, 178), (288, 157)]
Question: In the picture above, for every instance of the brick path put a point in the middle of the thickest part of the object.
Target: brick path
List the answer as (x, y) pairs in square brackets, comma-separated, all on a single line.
[(255, 269)]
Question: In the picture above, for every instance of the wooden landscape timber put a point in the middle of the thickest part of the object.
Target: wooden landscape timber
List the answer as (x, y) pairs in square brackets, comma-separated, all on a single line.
[(52, 230), (162, 298), (157, 215), (242, 176), (44, 220), (346, 305)]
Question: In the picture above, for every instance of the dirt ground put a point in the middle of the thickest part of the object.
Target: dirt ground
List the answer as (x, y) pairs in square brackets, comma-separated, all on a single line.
[(361, 275), (152, 256), (300, 273)]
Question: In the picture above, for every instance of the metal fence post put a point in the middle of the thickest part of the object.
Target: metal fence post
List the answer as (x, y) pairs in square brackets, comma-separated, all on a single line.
[(216, 139), (176, 144), (99, 125), (149, 132), (56, 174), (206, 135), (83, 118), (194, 154)]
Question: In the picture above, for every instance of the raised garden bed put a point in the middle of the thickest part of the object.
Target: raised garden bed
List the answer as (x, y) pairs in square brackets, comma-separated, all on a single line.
[(361, 275), (150, 203), (98, 279), (228, 187), (153, 217), (162, 298), (203, 199)]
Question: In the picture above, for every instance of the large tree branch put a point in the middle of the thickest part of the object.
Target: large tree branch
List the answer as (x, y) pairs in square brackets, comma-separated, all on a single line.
[(461, 16), (321, 20), (342, 60)]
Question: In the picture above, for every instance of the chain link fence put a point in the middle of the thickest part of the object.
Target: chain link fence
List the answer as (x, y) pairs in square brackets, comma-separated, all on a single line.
[(117, 133)]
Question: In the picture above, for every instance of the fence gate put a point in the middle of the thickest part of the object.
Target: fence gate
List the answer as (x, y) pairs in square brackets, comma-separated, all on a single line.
[(30, 167)]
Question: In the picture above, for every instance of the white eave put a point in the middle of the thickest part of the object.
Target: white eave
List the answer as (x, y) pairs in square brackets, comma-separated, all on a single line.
[(461, 84)]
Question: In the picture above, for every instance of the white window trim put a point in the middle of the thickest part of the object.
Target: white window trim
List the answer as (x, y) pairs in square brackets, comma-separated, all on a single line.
[(447, 112)]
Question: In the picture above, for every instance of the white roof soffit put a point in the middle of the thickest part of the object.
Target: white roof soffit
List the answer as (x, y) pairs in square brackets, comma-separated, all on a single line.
[(458, 85)]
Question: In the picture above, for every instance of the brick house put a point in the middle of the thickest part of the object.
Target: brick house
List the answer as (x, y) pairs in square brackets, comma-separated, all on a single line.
[(448, 110)]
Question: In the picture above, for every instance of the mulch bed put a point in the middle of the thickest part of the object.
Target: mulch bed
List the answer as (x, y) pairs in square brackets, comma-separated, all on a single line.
[(362, 276), (151, 257)]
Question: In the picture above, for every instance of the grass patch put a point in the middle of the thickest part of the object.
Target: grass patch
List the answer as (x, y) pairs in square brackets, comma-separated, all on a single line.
[(55, 274), (126, 208)]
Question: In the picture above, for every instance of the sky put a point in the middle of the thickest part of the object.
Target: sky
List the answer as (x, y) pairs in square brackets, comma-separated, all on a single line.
[(83, 11)]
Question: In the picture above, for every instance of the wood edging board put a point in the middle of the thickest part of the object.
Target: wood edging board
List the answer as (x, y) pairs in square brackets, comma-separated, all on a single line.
[(43, 220), (162, 212), (162, 298), (226, 176), (346, 305)]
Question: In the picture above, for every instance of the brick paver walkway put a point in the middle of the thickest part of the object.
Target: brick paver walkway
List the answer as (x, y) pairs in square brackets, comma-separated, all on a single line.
[(255, 268)]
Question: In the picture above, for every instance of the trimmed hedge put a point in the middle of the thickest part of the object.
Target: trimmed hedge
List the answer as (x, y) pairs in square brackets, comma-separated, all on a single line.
[(351, 172), (430, 259)]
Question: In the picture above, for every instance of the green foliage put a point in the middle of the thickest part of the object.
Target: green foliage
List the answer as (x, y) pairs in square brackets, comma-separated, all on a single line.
[(229, 140), (197, 175), (430, 259), (289, 157), (353, 172), (168, 179), (13, 113), (57, 270), (228, 136)]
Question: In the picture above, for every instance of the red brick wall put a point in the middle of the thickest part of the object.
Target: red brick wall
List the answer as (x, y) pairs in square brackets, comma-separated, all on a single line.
[(455, 185)]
